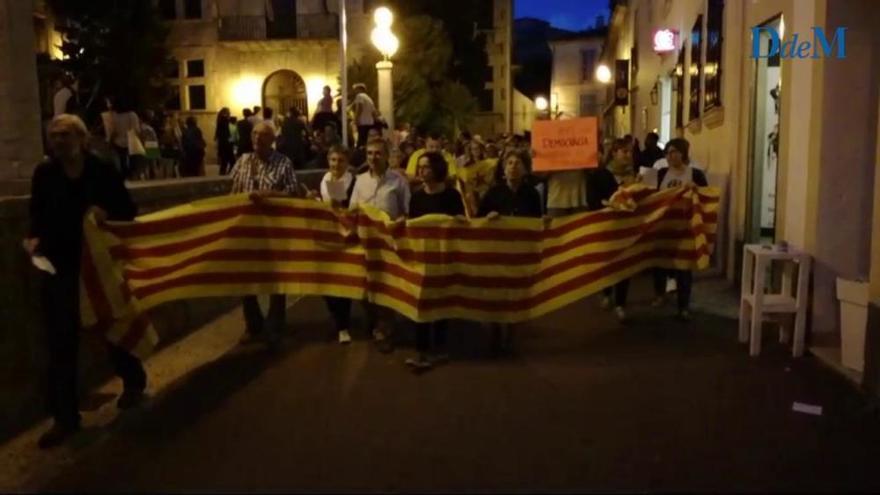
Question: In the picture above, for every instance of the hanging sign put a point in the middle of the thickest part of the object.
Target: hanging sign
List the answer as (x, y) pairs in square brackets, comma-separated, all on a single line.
[(621, 82), (665, 40)]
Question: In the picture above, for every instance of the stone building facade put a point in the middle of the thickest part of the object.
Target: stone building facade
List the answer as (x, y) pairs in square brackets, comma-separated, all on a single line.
[(793, 142), (20, 127)]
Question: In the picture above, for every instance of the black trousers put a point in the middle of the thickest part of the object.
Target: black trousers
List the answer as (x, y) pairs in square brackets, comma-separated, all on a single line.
[(226, 157), (274, 322), (60, 303), (620, 291), (363, 132), (684, 280), (124, 161), (340, 310), (424, 331)]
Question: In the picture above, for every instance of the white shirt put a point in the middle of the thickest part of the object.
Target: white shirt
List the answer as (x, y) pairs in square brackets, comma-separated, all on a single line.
[(567, 189), (59, 102), (368, 108), (389, 193), (122, 123), (335, 189), (662, 163), (677, 178), (255, 119)]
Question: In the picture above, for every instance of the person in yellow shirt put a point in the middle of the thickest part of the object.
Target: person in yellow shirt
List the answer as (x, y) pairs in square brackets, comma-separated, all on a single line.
[(432, 144), (476, 174)]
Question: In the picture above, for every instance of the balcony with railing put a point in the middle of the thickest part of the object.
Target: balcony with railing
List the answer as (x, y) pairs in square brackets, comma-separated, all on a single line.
[(255, 28)]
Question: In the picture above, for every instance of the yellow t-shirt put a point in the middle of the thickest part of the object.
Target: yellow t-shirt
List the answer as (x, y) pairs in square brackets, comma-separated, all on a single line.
[(412, 165)]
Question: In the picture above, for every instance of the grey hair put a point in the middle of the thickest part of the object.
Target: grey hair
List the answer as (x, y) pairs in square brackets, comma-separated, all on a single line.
[(72, 122), (264, 125)]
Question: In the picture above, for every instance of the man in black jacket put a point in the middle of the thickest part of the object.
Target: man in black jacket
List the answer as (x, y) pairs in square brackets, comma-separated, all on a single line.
[(64, 189)]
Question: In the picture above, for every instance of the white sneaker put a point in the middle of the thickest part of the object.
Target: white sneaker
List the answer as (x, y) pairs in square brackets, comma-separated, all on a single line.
[(606, 302), (419, 363), (620, 312), (344, 337)]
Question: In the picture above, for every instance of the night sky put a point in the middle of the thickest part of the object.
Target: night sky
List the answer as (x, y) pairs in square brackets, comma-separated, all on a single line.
[(566, 14)]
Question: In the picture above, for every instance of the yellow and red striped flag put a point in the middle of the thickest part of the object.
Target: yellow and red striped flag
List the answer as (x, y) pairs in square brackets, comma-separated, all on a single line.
[(504, 270)]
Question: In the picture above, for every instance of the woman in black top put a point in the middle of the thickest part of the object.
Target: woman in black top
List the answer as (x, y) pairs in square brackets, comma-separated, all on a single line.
[(511, 196), (602, 184), (434, 198), (678, 173)]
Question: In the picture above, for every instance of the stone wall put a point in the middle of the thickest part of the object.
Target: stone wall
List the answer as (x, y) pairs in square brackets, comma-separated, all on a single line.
[(20, 139), (22, 354), (22, 344)]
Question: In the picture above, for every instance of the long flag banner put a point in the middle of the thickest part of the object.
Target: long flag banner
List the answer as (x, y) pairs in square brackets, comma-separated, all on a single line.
[(429, 268)]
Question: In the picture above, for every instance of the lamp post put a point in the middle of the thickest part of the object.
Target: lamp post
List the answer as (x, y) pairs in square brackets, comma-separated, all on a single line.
[(543, 107), (387, 43)]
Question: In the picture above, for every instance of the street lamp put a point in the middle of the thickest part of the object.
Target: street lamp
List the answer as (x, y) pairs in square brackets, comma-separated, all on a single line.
[(541, 104), (603, 74), (387, 43)]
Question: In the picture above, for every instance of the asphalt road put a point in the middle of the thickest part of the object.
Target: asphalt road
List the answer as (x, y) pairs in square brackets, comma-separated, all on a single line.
[(584, 404)]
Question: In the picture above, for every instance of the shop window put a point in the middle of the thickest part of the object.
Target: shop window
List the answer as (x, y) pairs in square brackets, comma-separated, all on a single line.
[(195, 68), (192, 9), (197, 97), (678, 82), (714, 39), (696, 68)]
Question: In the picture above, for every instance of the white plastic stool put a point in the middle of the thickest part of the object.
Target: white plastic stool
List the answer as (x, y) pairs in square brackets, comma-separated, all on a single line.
[(755, 304)]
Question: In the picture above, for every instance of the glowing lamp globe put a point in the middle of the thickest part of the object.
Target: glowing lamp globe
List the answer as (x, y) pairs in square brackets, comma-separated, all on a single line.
[(541, 104), (385, 41), (383, 17), (603, 74)]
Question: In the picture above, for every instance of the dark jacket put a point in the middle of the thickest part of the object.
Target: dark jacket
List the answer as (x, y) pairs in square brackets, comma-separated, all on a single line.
[(58, 205), (601, 185), (524, 202), (649, 156), (245, 128)]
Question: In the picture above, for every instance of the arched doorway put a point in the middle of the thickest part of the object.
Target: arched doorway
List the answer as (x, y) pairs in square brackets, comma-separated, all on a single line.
[(284, 89)]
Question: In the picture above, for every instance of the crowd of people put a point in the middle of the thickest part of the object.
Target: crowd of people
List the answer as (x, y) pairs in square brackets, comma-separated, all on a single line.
[(464, 178), (406, 174)]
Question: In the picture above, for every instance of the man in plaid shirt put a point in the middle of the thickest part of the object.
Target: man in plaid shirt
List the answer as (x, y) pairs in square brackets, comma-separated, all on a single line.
[(265, 173)]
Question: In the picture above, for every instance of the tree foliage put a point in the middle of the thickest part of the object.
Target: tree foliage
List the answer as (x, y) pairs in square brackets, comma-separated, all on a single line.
[(425, 94), (114, 48)]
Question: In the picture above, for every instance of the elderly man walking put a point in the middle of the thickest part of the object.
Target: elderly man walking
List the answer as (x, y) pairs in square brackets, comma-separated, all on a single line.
[(264, 173), (70, 185)]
